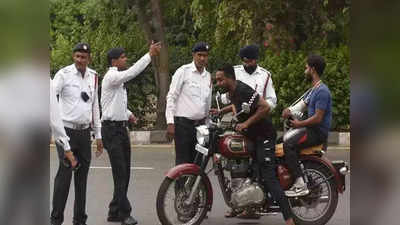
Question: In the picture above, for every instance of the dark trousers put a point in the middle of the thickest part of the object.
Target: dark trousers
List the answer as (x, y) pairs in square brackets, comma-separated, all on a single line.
[(304, 138), (117, 143), (185, 140), (81, 147), (265, 157)]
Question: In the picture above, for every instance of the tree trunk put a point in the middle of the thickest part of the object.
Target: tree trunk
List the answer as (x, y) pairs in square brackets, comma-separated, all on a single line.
[(154, 29), (163, 65)]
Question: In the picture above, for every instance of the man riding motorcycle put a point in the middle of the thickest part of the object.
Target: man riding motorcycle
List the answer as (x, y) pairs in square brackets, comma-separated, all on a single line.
[(258, 128)]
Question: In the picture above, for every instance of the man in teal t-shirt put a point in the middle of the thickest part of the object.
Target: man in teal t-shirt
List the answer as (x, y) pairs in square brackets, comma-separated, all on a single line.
[(319, 105)]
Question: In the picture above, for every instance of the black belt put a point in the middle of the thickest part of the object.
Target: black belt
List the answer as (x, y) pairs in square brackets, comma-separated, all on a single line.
[(115, 123), (189, 121)]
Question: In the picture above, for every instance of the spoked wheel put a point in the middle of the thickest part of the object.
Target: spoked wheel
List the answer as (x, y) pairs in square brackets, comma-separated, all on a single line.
[(171, 206), (319, 206)]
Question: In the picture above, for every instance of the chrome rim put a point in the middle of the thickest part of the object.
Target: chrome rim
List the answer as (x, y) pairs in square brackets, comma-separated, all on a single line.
[(176, 211), (315, 205)]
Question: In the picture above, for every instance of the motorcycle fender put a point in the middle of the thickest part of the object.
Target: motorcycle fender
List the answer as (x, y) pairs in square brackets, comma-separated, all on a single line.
[(323, 160), (190, 168)]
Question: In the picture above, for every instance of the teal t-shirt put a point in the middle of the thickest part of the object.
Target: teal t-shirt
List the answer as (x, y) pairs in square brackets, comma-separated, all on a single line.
[(320, 98)]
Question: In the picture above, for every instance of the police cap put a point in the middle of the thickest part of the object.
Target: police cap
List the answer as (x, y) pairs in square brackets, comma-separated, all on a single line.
[(82, 47), (249, 52), (200, 47)]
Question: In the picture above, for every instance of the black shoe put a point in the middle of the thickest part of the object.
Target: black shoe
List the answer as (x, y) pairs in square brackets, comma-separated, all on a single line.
[(129, 221), (113, 218), (54, 222)]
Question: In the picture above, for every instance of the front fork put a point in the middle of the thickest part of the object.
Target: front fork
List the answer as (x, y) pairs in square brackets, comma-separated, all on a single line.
[(226, 192), (203, 164), (195, 189)]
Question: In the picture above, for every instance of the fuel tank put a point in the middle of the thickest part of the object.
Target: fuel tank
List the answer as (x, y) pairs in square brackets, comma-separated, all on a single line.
[(234, 145)]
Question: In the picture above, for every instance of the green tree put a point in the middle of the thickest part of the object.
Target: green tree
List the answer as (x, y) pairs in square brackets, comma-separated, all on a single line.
[(286, 30)]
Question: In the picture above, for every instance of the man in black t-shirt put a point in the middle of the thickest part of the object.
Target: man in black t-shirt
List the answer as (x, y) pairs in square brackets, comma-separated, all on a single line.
[(257, 126)]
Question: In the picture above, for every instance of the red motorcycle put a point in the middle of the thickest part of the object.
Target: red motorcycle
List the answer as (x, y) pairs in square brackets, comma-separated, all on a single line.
[(186, 194)]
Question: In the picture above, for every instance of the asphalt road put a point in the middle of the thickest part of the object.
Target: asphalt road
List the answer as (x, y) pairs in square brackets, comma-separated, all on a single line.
[(150, 163)]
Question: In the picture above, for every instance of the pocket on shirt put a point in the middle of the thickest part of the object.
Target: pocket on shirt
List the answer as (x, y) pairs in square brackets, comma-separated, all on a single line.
[(72, 90), (207, 92), (195, 90)]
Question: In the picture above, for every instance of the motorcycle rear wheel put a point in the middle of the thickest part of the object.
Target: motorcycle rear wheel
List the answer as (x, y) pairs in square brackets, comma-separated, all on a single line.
[(171, 209), (324, 192)]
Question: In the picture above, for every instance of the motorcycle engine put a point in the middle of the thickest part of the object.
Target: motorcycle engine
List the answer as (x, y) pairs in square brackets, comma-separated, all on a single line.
[(244, 192), (248, 194), (238, 168)]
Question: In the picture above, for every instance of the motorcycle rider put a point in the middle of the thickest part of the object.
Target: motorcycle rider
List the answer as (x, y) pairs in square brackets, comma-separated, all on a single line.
[(315, 127), (258, 128)]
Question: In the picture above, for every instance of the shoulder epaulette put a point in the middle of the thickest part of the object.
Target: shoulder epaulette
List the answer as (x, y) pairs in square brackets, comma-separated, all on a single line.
[(264, 70), (92, 71), (186, 66), (66, 69)]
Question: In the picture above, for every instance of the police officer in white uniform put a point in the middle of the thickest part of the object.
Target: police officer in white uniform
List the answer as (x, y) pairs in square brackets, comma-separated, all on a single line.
[(188, 103), (255, 76), (57, 127), (114, 103), (76, 87)]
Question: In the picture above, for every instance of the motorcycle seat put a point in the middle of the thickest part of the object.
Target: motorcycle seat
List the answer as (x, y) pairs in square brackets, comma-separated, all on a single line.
[(306, 151)]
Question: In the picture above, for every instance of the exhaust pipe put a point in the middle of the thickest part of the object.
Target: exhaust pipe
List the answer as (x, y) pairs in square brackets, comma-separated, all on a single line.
[(344, 170)]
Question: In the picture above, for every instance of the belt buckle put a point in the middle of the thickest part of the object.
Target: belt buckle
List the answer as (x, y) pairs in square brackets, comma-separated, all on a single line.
[(79, 126)]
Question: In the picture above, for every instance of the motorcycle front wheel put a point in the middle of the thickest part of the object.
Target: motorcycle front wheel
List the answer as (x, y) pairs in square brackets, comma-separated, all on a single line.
[(320, 204), (171, 206)]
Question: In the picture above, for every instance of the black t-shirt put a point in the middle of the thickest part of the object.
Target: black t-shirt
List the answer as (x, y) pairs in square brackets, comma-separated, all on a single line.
[(262, 128)]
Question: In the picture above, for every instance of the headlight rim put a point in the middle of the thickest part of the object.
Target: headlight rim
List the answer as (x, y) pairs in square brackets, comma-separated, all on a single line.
[(202, 135)]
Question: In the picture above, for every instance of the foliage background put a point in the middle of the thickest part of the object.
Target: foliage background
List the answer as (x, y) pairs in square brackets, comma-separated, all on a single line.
[(286, 31)]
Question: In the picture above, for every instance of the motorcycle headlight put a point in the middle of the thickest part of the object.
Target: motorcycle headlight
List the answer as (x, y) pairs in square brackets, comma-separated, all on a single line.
[(202, 135)]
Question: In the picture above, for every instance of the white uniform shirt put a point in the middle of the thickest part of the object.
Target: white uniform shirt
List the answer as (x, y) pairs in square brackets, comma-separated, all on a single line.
[(189, 94), (114, 99), (69, 85), (257, 80), (56, 123)]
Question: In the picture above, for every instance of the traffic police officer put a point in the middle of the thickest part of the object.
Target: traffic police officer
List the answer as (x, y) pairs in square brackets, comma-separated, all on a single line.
[(57, 127), (114, 103), (76, 87), (188, 103), (255, 76)]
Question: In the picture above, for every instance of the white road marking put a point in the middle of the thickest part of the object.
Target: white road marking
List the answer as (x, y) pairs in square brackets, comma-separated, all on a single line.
[(132, 168)]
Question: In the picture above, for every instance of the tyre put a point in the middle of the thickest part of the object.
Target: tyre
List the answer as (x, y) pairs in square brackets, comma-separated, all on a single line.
[(171, 206), (318, 207)]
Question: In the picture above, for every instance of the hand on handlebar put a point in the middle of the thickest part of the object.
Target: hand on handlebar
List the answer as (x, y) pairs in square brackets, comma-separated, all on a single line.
[(241, 127), (215, 112)]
